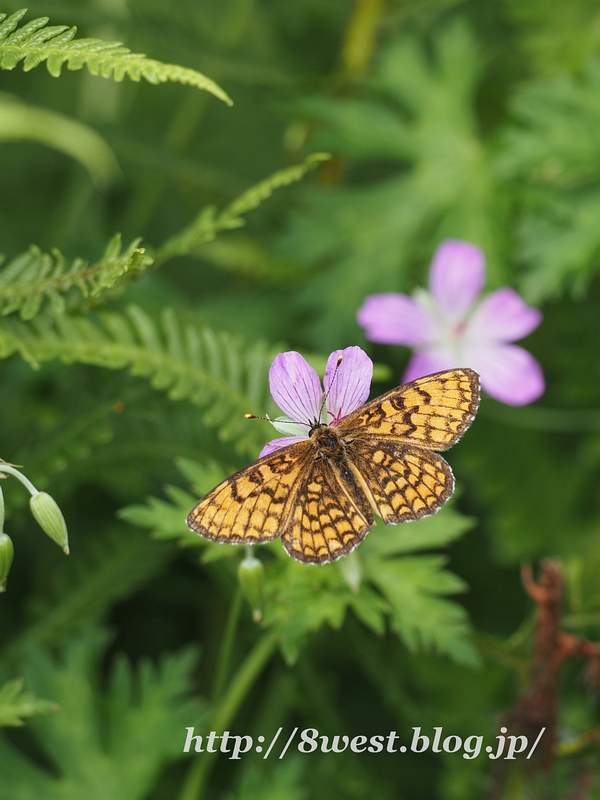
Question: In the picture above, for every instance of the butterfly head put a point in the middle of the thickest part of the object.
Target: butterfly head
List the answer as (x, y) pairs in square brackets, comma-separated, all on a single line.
[(326, 438)]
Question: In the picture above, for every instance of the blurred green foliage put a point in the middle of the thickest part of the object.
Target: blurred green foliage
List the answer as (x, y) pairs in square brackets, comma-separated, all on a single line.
[(160, 247)]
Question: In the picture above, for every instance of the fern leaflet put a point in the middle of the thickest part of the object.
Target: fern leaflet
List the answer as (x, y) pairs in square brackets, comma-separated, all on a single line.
[(33, 277), (56, 45), (207, 223), (212, 370)]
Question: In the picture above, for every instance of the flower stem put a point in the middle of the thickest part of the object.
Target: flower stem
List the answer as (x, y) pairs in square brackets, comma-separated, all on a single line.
[(224, 659), (360, 39), (242, 681), (27, 483)]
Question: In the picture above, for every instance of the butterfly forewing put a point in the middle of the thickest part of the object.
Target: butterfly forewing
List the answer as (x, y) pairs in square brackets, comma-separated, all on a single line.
[(331, 515), (254, 505), (431, 412)]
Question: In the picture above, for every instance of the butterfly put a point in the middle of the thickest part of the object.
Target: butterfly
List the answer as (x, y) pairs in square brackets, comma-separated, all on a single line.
[(319, 495)]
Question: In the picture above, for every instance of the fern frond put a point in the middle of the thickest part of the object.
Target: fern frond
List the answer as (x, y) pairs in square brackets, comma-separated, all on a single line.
[(208, 223), (213, 370), (33, 277), (56, 45)]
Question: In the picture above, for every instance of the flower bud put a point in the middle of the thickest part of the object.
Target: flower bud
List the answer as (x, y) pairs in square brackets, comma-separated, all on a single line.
[(50, 518), (6, 557), (251, 577), (352, 572)]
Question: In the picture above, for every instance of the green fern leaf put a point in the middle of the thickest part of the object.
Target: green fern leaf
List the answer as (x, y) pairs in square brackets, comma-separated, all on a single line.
[(33, 277), (213, 370), (15, 704), (208, 223), (56, 45)]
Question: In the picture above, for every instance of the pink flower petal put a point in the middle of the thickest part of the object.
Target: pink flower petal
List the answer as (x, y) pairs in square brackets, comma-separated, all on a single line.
[(396, 319), (424, 362), (508, 373), (503, 317), (456, 277), (296, 387), (347, 386), (277, 444)]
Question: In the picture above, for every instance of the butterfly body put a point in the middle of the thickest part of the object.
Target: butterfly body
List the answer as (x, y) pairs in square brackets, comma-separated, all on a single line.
[(327, 440), (320, 494)]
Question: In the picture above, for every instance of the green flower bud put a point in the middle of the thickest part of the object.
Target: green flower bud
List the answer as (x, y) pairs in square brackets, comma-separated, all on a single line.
[(50, 518), (6, 557), (251, 577), (352, 572)]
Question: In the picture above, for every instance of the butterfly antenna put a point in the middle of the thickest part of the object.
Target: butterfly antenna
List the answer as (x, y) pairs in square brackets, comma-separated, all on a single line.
[(268, 419), (326, 395)]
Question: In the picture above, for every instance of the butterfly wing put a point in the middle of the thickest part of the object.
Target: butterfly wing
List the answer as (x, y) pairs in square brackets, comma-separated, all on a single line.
[(331, 514), (402, 482), (431, 412), (389, 443), (254, 505)]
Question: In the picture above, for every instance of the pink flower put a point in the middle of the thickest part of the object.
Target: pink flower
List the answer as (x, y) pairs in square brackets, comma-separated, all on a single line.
[(450, 326), (297, 390)]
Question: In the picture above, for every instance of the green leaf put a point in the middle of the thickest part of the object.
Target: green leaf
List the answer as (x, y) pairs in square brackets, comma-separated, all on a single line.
[(424, 620), (16, 704), (19, 122), (556, 36), (377, 581), (284, 780), (34, 278), (555, 149), (365, 238), (34, 43), (217, 372), (208, 223), (113, 743), (167, 519)]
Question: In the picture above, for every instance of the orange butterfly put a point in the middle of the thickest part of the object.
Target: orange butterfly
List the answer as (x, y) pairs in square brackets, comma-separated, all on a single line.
[(319, 493)]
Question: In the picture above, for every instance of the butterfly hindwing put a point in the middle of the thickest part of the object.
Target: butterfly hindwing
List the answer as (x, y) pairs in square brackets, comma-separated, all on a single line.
[(253, 505), (432, 412), (402, 482), (331, 515)]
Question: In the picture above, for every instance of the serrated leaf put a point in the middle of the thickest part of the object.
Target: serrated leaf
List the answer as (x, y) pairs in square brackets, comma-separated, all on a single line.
[(16, 704), (57, 46), (110, 744)]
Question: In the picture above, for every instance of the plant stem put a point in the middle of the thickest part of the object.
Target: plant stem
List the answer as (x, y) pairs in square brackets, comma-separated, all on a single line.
[(26, 483), (359, 41), (242, 681), (224, 659)]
